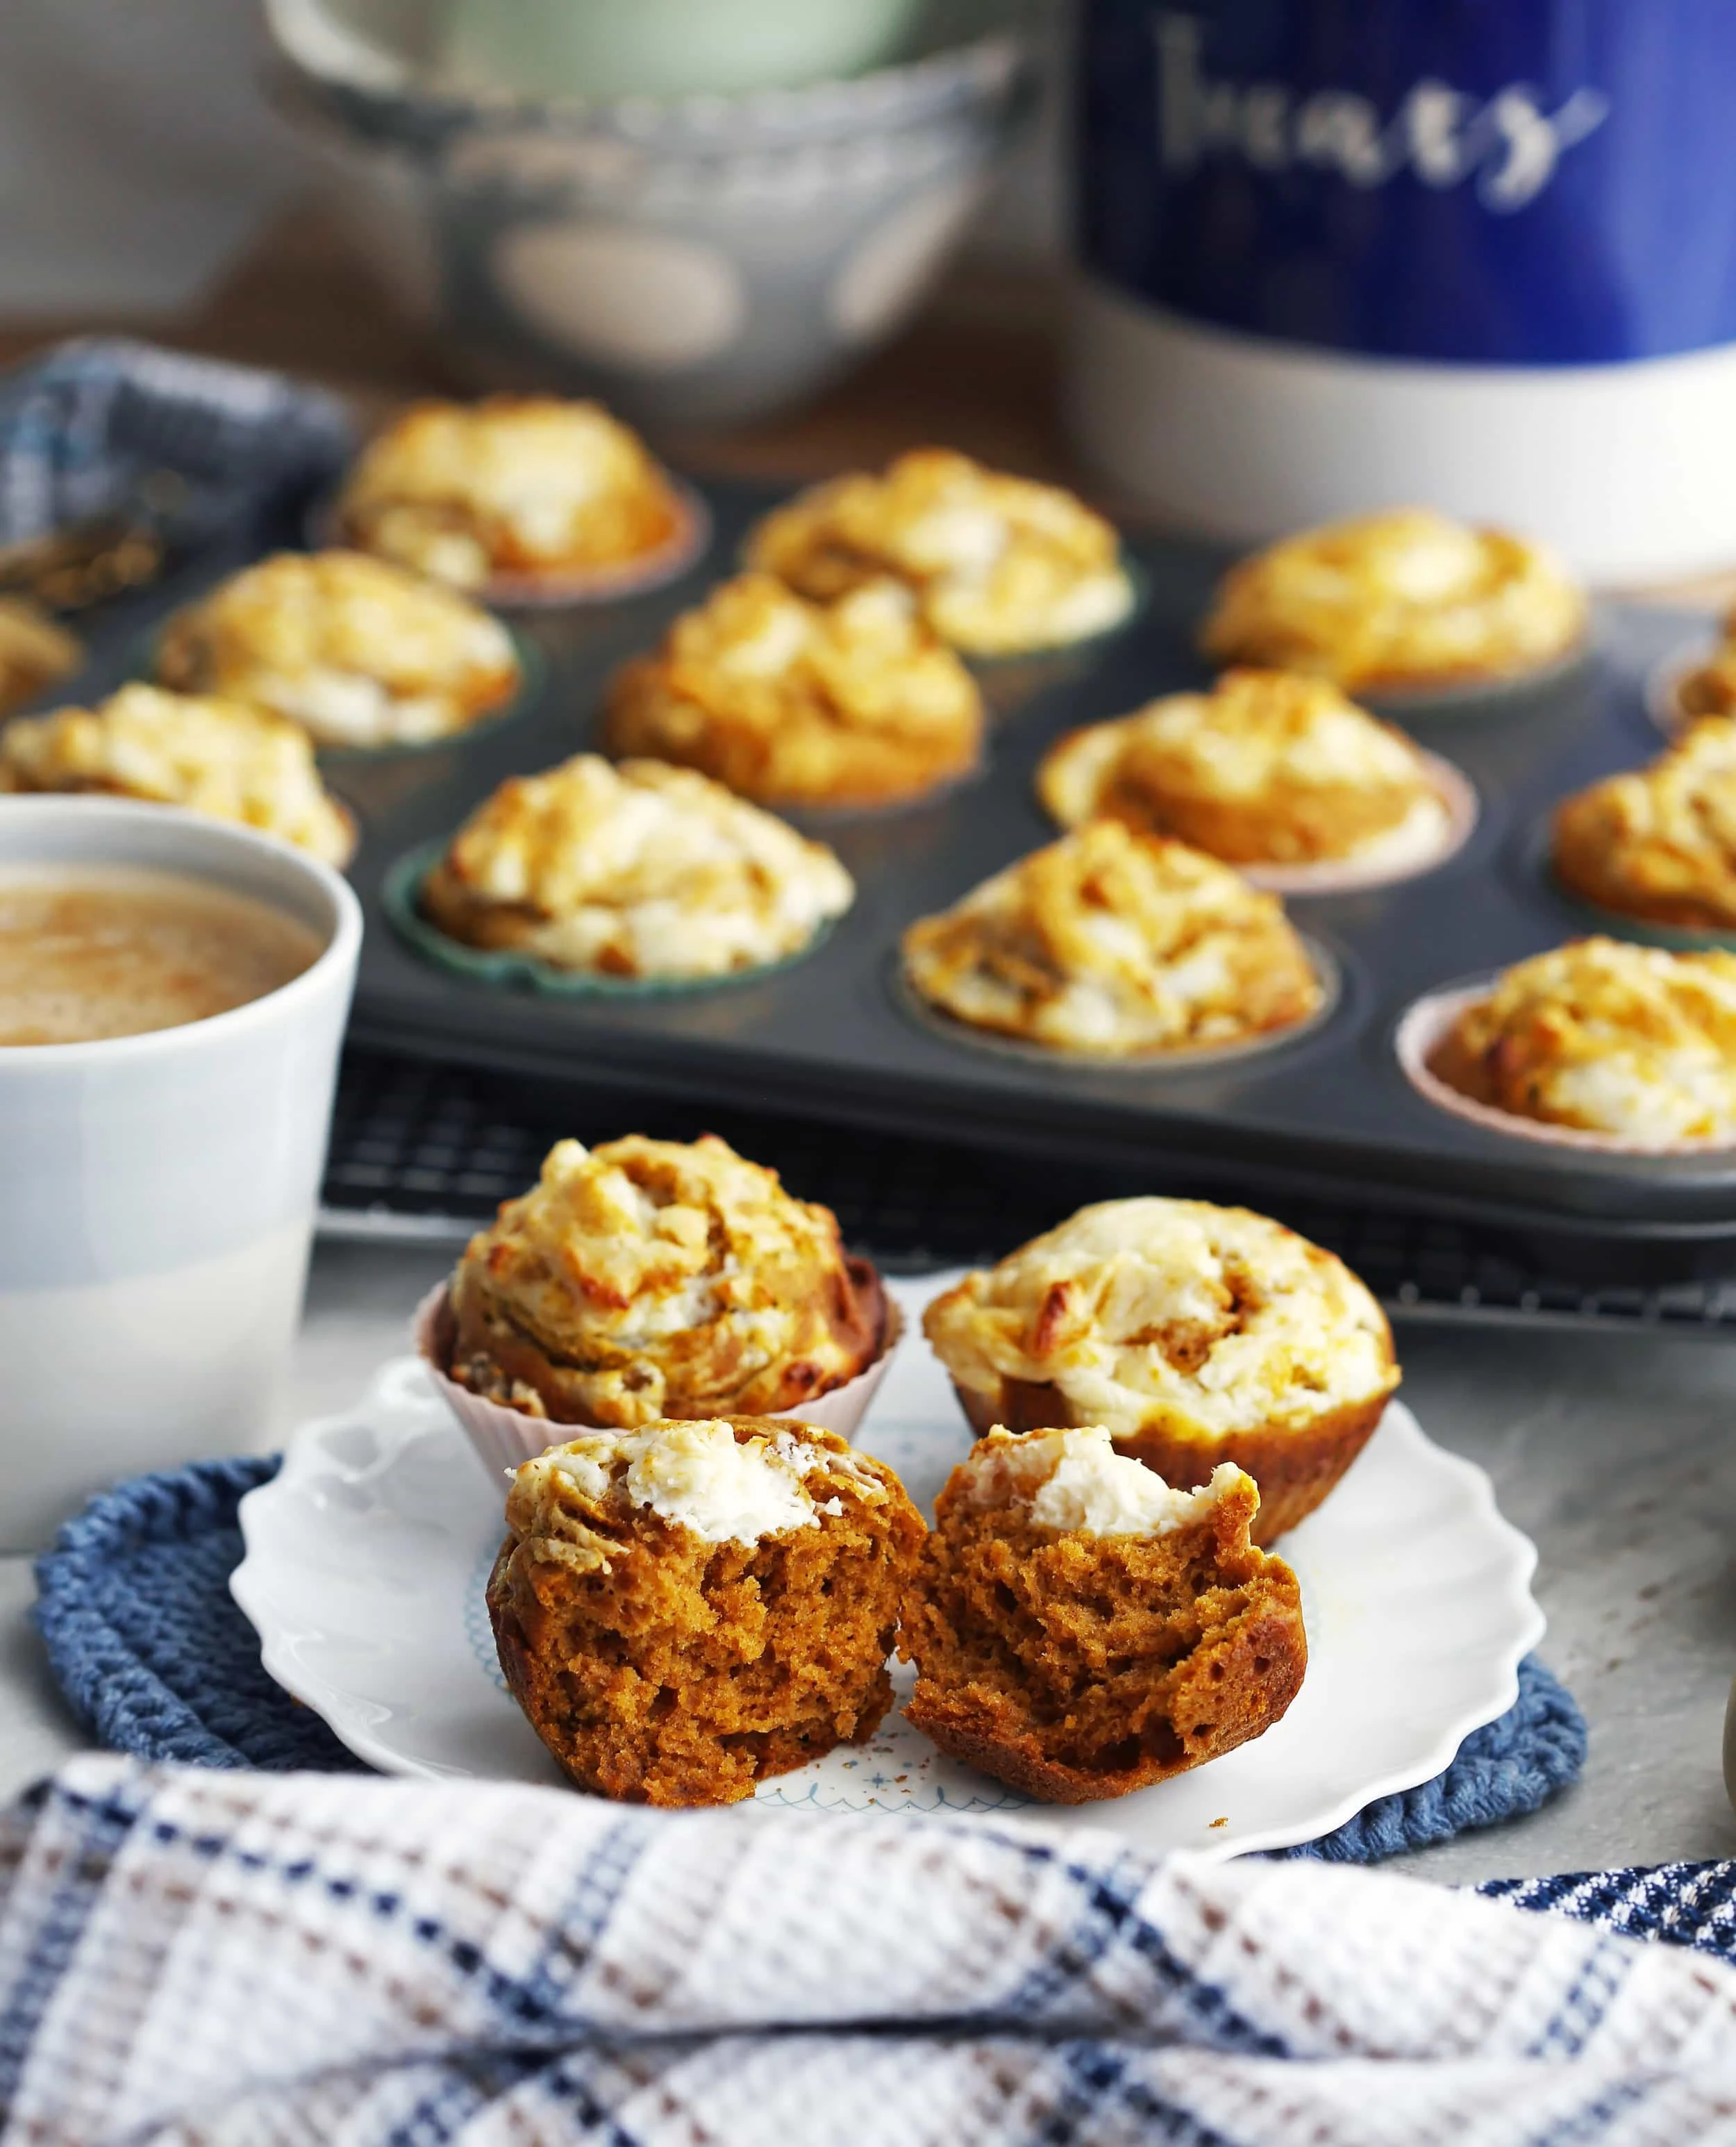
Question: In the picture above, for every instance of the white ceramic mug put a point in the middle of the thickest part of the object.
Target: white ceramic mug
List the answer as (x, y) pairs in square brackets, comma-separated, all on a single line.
[(158, 1191)]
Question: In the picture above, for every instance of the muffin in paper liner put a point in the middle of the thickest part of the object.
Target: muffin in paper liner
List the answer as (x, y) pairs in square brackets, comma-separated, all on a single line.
[(684, 548), (1424, 1027), (506, 1438)]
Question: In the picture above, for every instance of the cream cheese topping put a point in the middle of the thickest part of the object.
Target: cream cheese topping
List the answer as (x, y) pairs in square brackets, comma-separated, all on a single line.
[(698, 1476), (1075, 1479)]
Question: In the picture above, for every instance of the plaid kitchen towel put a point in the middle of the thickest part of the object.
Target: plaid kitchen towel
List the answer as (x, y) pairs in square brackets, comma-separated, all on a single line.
[(259, 1961), (80, 427)]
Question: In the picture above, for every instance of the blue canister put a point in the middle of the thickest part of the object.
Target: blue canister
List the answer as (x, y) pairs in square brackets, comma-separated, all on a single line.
[(1480, 254)]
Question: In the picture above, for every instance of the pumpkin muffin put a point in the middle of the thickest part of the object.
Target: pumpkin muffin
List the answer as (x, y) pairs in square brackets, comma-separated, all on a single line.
[(1194, 1334), (1399, 602), (685, 1608), (998, 566), (635, 871), (1115, 944), (1660, 843), (35, 652), (1632, 1042), (222, 758), (648, 1278), (515, 488), (848, 703), (1269, 768), (359, 653), (1080, 1630)]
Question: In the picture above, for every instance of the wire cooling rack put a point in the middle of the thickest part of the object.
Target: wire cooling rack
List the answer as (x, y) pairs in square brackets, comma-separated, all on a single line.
[(424, 1153)]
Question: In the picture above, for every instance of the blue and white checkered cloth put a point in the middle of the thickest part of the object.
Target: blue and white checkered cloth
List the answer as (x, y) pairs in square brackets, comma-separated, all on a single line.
[(257, 1961), (81, 427)]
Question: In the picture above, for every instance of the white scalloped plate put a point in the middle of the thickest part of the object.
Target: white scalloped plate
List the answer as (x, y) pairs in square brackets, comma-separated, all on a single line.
[(367, 1558)]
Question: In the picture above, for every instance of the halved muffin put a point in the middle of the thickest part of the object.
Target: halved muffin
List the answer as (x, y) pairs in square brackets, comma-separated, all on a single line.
[(1080, 1630), (1269, 768), (1633, 1042), (1194, 1334), (358, 651), (635, 871), (685, 1608), (649, 1279), (853, 701), (999, 565), (1658, 842), (222, 758), (1398, 601), (1116, 944), (515, 487)]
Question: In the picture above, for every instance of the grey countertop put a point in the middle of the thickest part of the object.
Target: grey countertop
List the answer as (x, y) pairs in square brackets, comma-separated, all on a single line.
[(1615, 1453)]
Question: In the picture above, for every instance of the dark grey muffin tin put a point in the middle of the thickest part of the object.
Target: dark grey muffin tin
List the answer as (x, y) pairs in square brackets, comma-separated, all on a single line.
[(1328, 1114)]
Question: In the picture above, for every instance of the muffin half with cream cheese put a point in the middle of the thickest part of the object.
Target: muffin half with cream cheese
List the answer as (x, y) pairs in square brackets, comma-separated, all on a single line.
[(686, 1608), (1080, 1630)]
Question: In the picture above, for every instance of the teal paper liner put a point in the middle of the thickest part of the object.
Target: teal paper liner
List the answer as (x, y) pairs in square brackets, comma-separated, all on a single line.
[(402, 886)]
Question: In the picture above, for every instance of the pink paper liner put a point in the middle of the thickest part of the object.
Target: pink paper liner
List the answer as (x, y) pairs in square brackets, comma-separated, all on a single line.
[(504, 1439), (1343, 875), (1421, 1029), (652, 570)]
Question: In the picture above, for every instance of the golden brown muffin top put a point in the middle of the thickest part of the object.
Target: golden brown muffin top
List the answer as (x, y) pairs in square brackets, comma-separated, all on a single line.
[(1405, 599), (639, 869), (787, 700), (999, 564), (219, 757), (514, 484), (1208, 1320), (725, 1479), (359, 651), (1634, 1042), (1269, 766), (34, 651), (646, 1278), (1660, 841), (1115, 943)]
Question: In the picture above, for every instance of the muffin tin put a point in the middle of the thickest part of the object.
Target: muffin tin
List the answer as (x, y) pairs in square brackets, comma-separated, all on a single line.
[(1328, 1113)]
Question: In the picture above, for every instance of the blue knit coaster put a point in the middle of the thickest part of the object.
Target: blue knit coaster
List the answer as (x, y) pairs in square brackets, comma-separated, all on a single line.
[(133, 1602)]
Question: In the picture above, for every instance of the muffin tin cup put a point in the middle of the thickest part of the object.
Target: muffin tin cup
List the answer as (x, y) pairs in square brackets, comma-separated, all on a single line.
[(504, 1439), (1188, 1058), (1424, 1027), (1664, 681), (682, 550), (532, 677), (1009, 682), (1469, 699), (400, 892)]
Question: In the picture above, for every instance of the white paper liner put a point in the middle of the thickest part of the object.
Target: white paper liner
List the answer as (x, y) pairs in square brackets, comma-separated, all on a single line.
[(1420, 1032), (504, 1439), (1664, 681), (1457, 794)]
